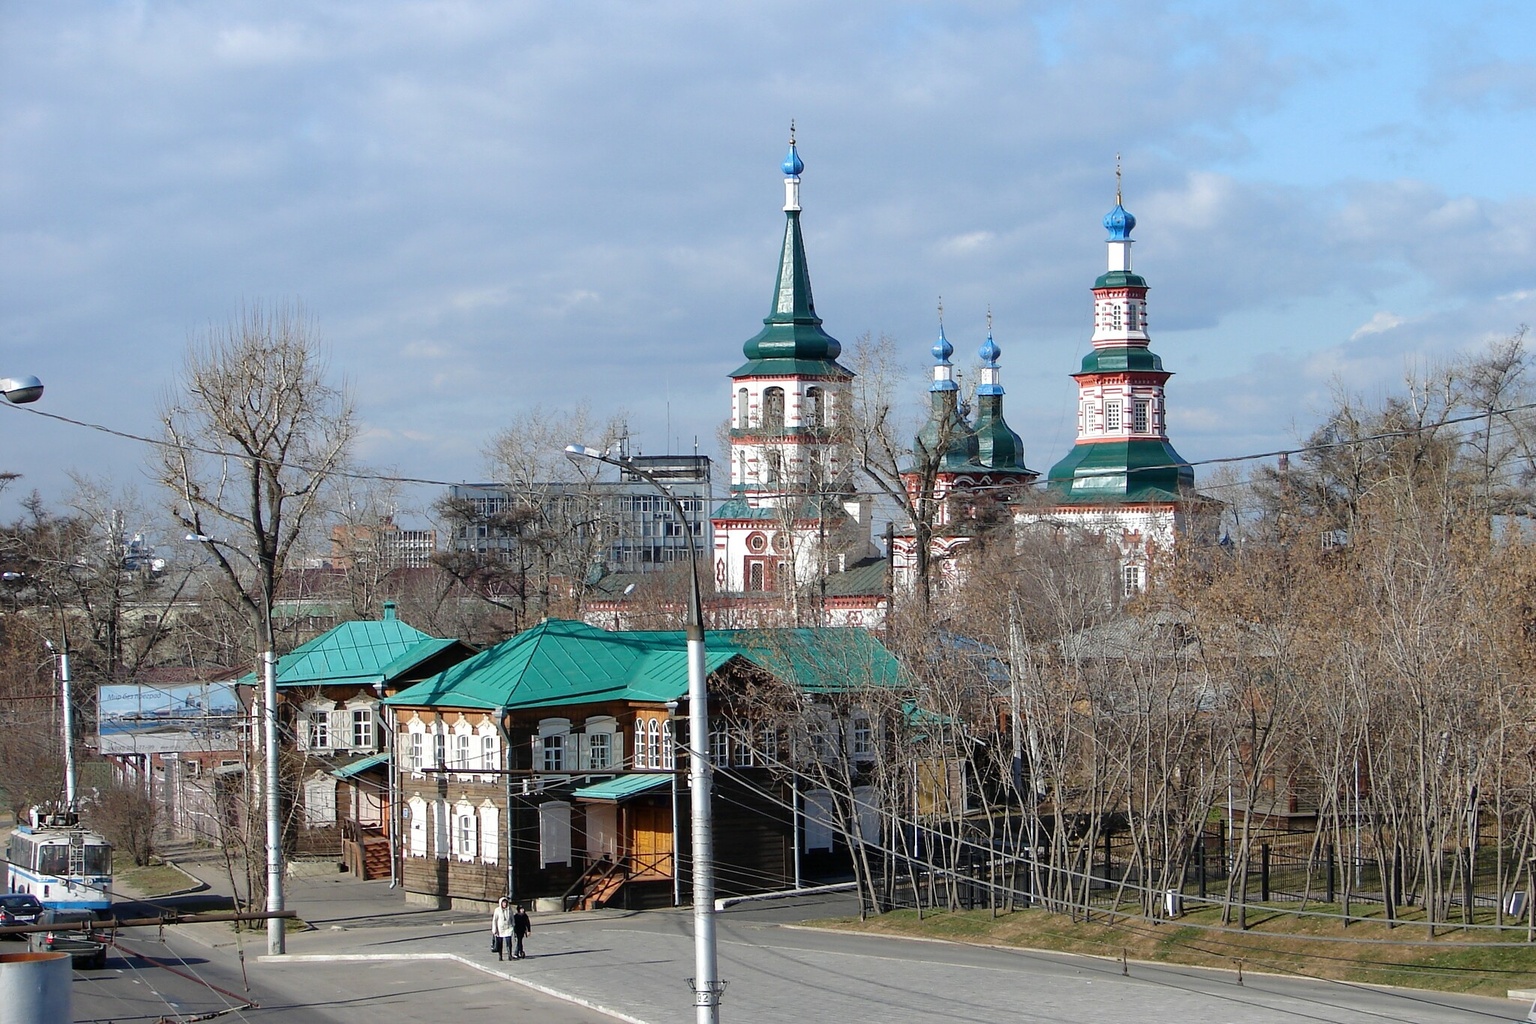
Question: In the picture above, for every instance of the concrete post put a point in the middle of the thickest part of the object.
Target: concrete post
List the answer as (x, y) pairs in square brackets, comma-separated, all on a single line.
[(34, 987)]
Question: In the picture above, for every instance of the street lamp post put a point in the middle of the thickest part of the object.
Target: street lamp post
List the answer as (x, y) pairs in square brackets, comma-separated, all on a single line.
[(276, 938), (706, 983)]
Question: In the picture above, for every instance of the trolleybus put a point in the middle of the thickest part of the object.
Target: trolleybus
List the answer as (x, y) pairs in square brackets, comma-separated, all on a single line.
[(64, 865)]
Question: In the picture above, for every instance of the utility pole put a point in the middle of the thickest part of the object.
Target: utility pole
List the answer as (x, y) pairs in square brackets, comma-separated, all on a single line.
[(61, 665), (706, 983)]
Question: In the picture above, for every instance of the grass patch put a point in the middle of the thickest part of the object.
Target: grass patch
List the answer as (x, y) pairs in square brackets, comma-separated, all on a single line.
[(1275, 942), (155, 879), (290, 925)]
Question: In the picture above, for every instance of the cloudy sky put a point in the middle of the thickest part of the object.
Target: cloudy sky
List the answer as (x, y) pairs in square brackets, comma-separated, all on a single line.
[(490, 206)]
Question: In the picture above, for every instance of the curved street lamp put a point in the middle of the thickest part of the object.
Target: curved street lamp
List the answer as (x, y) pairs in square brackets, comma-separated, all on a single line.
[(21, 390), (706, 982)]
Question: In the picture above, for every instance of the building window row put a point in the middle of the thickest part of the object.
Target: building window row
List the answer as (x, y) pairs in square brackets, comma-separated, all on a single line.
[(773, 414), (324, 727), (596, 747), (436, 746), (460, 831), (1114, 416)]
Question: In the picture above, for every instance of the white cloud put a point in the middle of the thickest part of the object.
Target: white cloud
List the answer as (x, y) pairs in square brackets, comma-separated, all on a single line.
[(967, 244), (494, 192), (1380, 322), (249, 44)]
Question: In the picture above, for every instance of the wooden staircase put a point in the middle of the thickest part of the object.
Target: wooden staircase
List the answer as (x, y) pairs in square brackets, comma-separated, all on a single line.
[(365, 850), (598, 885), (376, 857)]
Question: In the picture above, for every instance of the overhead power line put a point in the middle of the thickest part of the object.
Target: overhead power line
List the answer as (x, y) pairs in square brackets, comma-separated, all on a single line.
[(1480, 416)]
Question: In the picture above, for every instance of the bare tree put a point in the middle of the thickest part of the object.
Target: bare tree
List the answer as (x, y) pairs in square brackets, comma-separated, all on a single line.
[(253, 436), (527, 549)]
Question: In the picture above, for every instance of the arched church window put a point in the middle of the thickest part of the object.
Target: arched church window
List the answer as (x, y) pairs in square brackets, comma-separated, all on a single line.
[(773, 409), (812, 416), (775, 467), (741, 468), (741, 409)]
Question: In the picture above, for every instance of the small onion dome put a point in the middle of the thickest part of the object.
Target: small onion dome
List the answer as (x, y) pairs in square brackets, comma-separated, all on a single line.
[(793, 165), (942, 349), (989, 351), (1119, 222)]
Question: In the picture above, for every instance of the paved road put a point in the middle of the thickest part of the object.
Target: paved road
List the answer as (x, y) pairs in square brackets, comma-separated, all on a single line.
[(636, 965), (368, 953), (187, 980)]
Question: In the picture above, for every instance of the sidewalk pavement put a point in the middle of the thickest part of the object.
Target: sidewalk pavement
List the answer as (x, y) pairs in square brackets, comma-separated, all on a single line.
[(635, 967)]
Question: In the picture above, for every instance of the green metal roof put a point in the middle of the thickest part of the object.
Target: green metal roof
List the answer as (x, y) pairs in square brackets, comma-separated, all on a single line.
[(623, 787), (814, 507), (829, 368), (1121, 358), (363, 652), (1120, 279), (562, 662), (1144, 469), (792, 330), (864, 578), (358, 767)]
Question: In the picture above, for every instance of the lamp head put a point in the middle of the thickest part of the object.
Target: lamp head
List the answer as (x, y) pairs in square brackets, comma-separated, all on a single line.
[(21, 390)]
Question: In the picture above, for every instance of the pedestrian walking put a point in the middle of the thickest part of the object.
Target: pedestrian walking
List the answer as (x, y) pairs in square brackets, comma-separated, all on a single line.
[(503, 926), (521, 926)]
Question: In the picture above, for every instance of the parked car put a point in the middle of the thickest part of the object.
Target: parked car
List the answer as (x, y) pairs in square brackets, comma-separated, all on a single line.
[(18, 908), (88, 949)]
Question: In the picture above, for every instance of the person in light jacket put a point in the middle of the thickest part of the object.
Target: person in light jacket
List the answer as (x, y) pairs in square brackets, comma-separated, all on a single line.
[(502, 926)]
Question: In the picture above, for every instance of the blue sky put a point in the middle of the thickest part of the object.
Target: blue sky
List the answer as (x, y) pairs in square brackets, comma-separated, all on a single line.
[(491, 207)]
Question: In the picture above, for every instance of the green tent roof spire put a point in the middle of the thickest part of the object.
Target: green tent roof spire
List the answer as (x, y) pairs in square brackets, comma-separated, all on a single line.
[(791, 330)]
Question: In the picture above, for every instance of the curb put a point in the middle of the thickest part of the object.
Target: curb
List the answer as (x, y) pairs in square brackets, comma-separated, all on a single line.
[(201, 885)]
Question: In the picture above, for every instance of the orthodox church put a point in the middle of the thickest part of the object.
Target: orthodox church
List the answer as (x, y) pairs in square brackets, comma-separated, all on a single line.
[(792, 541), (1122, 480), (962, 476), (794, 526)]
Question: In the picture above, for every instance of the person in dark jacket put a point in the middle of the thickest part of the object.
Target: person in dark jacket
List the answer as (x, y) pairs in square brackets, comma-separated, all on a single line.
[(521, 926)]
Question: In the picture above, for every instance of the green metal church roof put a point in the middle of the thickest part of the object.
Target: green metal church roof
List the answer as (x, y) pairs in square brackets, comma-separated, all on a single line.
[(1145, 469), (1120, 279), (564, 662), (1121, 358), (792, 340)]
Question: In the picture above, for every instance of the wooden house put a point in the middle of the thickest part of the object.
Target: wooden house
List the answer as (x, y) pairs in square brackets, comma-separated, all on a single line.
[(553, 767)]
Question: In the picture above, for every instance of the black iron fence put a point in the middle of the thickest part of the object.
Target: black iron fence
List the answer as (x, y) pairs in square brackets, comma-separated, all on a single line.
[(1281, 868)]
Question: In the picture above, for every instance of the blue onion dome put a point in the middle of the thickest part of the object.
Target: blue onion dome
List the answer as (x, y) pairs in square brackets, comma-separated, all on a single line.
[(1119, 222), (989, 351), (793, 165), (942, 349)]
